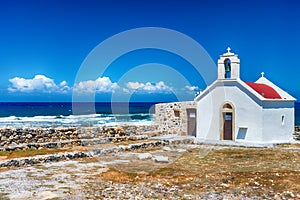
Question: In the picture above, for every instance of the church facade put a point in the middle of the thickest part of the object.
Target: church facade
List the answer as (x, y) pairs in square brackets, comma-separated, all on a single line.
[(233, 110)]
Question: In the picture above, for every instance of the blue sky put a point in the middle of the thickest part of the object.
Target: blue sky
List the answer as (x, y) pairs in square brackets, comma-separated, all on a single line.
[(44, 43)]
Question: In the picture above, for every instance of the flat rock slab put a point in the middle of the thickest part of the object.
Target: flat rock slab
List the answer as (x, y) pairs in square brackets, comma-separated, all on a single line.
[(181, 150), (144, 156), (167, 149), (174, 149), (45, 195), (162, 159)]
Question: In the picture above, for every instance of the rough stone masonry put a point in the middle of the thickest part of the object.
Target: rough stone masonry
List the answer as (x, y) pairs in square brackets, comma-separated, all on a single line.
[(171, 118), (10, 137)]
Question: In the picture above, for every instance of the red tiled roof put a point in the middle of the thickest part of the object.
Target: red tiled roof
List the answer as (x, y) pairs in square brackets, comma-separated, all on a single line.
[(264, 90)]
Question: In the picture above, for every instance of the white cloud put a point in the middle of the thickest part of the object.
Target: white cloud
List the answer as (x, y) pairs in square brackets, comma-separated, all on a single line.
[(63, 83), (125, 90), (192, 88), (149, 87), (102, 84), (38, 83)]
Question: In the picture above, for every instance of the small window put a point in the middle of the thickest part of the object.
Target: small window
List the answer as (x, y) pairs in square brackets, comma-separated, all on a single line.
[(228, 116), (282, 120), (177, 113), (192, 115)]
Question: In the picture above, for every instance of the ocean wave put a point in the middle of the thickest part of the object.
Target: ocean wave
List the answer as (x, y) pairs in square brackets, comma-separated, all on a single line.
[(76, 120)]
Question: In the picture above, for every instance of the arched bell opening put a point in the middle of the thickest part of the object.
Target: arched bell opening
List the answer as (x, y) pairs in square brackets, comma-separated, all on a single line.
[(227, 66)]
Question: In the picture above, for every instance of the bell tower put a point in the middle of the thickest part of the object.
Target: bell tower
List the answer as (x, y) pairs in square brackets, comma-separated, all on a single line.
[(229, 66)]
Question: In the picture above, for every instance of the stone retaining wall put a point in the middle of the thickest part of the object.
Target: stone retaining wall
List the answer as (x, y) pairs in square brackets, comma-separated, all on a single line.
[(32, 160), (19, 162), (14, 137), (171, 118), (296, 134), (76, 142)]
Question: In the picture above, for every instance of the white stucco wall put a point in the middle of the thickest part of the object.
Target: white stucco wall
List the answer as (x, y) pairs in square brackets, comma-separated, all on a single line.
[(207, 118), (278, 122), (248, 114)]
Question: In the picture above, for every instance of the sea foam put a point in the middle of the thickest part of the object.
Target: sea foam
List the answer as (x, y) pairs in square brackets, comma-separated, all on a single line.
[(76, 120)]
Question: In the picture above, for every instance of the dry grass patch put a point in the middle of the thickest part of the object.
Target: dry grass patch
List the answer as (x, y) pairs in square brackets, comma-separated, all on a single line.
[(119, 176), (4, 155), (246, 171), (4, 196), (31, 152)]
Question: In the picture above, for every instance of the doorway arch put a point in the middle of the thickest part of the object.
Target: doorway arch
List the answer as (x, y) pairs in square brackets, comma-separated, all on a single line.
[(227, 122)]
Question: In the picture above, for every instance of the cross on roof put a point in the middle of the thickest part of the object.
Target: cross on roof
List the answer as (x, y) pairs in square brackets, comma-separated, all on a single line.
[(262, 74), (228, 50)]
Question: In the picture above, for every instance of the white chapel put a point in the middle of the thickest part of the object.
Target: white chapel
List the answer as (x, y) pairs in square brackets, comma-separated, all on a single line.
[(234, 110)]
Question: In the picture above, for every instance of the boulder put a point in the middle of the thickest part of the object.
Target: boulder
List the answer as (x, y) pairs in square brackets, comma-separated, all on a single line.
[(4, 138), (29, 136)]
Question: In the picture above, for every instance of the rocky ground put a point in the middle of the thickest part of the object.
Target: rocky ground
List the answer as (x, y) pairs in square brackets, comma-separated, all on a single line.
[(182, 171)]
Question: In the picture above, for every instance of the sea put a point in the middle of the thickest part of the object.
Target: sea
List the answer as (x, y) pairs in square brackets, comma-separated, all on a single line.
[(56, 114)]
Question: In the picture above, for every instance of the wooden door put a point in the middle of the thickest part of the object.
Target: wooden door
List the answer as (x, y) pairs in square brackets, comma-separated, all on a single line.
[(227, 126), (191, 121)]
